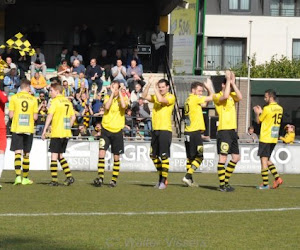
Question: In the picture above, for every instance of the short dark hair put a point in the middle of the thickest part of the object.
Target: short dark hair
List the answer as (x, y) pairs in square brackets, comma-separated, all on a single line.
[(116, 81), (57, 87), (164, 81), (271, 93), (24, 83), (194, 85)]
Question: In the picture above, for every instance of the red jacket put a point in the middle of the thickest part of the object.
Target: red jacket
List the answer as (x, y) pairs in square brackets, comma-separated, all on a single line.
[(3, 100)]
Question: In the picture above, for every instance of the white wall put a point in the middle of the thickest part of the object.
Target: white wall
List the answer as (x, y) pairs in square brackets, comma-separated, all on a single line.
[(270, 35)]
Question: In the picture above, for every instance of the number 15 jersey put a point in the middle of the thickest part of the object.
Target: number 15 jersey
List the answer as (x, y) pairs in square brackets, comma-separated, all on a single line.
[(62, 110), (270, 120), (24, 106)]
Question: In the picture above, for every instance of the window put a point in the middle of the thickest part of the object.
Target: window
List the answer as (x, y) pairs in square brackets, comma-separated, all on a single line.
[(239, 5), (283, 8), (225, 53), (296, 49)]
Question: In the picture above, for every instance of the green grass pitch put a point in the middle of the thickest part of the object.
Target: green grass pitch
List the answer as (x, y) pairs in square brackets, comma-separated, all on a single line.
[(27, 219)]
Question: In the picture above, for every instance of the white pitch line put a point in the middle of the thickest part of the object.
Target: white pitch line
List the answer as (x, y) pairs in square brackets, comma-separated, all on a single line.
[(152, 213)]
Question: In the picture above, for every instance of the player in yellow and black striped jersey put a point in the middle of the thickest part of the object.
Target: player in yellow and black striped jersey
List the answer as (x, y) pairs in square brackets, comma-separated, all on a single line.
[(61, 116), (113, 122), (162, 126), (270, 118), (227, 138), (194, 125), (23, 110)]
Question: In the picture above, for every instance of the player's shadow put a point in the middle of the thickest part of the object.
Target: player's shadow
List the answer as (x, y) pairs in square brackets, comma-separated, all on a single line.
[(143, 185), (214, 188), (245, 186), (9, 182)]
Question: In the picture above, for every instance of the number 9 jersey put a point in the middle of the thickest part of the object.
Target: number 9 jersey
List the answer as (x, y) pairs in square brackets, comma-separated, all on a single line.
[(62, 110), (270, 120), (24, 105)]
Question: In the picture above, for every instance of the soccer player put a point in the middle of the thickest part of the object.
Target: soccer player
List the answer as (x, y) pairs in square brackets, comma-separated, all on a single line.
[(3, 100), (194, 125), (270, 118), (23, 110), (162, 127), (113, 122), (227, 138), (61, 116)]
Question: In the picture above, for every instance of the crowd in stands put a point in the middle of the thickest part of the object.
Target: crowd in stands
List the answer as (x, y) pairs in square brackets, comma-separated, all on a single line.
[(85, 84)]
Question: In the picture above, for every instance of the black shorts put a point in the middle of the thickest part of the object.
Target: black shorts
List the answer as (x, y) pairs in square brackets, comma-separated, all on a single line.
[(265, 149), (21, 142), (193, 144), (227, 142), (58, 145), (161, 143), (116, 141)]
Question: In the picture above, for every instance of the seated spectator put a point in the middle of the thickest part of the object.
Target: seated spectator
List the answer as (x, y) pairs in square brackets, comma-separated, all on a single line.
[(38, 63), (136, 94), (82, 89), (9, 52), (289, 137), (250, 136), (23, 65), (69, 78), (136, 57), (68, 91), (77, 68), (39, 83), (79, 80), (142, 113), (98, 102), (10, 65), (130, 124), (134, 73), (118, 56), (118, 72), (42, 115), (11, 81), (41, 98), (63, 68), (76, 56), (3, 66), (125, 92), (83, 132), (93, 74), (62, 56), (97, 131), (105, 63)]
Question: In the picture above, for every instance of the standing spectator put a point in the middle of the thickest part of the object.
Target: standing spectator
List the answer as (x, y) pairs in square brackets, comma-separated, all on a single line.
[(38, 63), (142, 113), (75, 56), (118, 72), (93, 74), (39, 83), (130, 124), (23, 65), (63, 55), (11, 81), (159, 43)]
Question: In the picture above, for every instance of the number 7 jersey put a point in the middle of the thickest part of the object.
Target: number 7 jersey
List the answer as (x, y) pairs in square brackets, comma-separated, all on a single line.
[(62, 110), (270, 120), (24, 107)]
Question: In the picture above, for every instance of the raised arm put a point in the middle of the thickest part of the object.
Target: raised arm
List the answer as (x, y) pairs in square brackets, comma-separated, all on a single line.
[(235, 88), (257, 110), (145, 94)]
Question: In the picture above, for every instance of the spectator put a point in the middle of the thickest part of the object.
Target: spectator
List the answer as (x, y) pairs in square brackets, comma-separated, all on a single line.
[(83, 132), (142, 113), (136, 94), (76, 56), (134, 73), (130, 124), (105, 63), (289, 137), (136, 57), (97, 131), (98, 115), (11, 53), (119, 72), (68, 91), (11, 81), (41, 98), (159, 43), (63, 68), (23, 65), (250, 136), (10, 65), (3, 66), (39, 83), (93, 74), (82, 89), (38, 63), (63, 55), (86, 113), (42, 115), (81, 79), (98, 102), (77, 68)]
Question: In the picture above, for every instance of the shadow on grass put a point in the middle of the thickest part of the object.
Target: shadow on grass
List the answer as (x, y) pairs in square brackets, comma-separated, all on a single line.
[(8, 182), (214, 188)]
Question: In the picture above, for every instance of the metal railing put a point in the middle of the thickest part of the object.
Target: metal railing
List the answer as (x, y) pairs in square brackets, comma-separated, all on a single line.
[(284, 12)]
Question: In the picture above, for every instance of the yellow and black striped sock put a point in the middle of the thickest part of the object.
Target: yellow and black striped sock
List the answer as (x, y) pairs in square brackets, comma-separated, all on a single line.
[(25, 166), (265, 176), (188, 164), (273, 170), (53, 169), (101, 167), (116, 170), (221, 173), (194, 165), (65, 166), (164, 169), (157, 164), (18, 164), (229, 170)]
